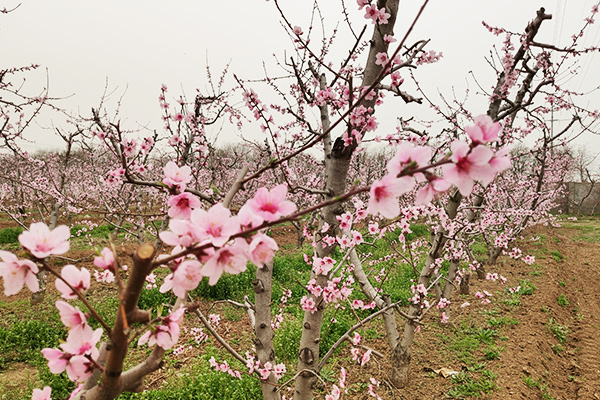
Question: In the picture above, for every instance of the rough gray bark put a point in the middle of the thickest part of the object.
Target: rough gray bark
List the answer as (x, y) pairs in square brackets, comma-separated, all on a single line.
[(264, 333), (117, 224), (464, 284), (450, 277), (494, 253)]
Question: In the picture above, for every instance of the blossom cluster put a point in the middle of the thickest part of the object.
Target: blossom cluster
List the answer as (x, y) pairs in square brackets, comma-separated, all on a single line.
[(79, 353), (253, 365), (377, 16), (467, 163), (213, 229), (166, 334)]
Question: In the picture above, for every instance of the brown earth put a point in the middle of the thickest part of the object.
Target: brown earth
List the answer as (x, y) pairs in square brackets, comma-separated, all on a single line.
[(567, 265)]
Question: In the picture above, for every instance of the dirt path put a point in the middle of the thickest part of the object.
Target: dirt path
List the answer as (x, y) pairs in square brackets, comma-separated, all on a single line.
[(569, 370)]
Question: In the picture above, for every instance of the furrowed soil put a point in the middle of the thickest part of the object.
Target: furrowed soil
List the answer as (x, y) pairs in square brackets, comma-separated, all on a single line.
[(543, 345)]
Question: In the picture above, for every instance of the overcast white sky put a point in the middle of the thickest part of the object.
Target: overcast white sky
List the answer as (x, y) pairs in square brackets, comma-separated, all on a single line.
[(139, 45)]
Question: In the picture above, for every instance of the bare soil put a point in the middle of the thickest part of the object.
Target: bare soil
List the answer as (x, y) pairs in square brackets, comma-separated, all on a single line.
[(528, 351)]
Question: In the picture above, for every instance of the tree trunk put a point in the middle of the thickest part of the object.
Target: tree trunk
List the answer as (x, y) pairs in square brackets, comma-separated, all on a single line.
[(38, 297), (115, 233), (464, 284), (337, 163), (262, 329), (450, 278), (493, 256)]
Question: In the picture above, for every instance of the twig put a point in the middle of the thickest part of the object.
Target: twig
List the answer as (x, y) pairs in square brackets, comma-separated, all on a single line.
[(354, 327), (81, 297), (218, 337), (298, 374)]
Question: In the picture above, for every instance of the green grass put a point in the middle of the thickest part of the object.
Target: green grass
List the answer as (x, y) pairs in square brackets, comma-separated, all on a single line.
[(289, 270), (474, 346), (562, 300), (463, 346), (512, 300), (484, 335), (418, 230), (480, 251), (10, 235), (536, 270), (502, 321), (468, 385), (22, 339), (492, 353), (557, 256), (533, 383), (287, 340), (153, 299), (200, 381), (557, 348), (232, 287), (527, 288), (560, 332), (588, 229), (100, 232)]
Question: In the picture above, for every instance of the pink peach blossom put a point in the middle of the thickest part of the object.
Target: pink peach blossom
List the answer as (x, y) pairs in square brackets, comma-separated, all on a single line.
[(247, 218), (444, 318), (215, 225), (501, 160), (186, 277), (79, 279), (271, 205), (408, 156), (279, 370), (467, 166), (384, 195), (484, 131), (17, 273), (177, 177), (181, 233), (308, 304), (42, 394), (366, 357), (75, 357), (433, 186), (82, 341), (57, 360), (71, 317), (106, 260), (181, 206), (42, 242), (231, 259), (261, 249), (362, 3), (166, 334)]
